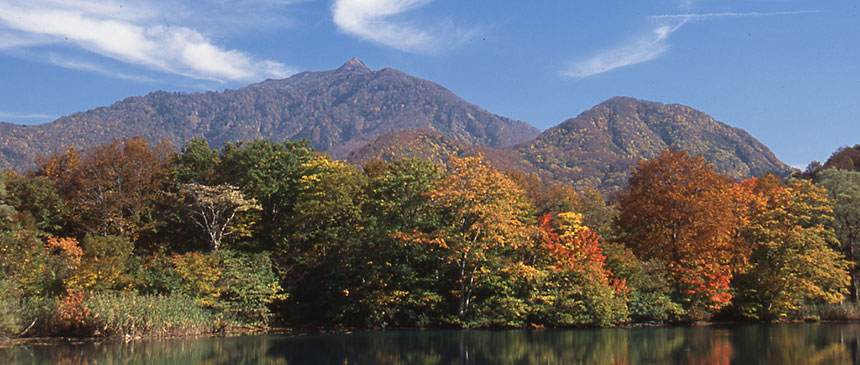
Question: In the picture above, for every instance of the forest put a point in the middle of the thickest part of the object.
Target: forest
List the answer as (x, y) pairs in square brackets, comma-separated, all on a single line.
[(134, 239)]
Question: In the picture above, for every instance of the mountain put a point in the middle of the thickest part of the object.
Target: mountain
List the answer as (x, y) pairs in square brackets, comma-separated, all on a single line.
[(337, 111), (599, 147), (434, 147)]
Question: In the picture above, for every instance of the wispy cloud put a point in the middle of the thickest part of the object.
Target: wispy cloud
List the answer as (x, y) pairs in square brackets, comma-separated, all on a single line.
[(709, 16), (650, 46), (77, 64), (642, 49), (27, 116), (372, 20), (130, 32)]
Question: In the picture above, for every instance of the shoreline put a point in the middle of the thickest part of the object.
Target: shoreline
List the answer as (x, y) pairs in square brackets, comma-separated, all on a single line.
[(11, 342)]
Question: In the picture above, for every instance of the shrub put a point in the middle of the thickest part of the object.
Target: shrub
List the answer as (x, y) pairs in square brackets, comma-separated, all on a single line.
[(839, 312), (247, 286), (129, 314)]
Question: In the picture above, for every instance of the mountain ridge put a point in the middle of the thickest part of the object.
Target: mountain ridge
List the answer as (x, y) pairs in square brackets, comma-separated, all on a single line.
[(598, 148), (336, 110)]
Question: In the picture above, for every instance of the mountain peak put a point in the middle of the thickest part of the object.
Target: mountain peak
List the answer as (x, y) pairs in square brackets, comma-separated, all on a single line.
[(354, 65)]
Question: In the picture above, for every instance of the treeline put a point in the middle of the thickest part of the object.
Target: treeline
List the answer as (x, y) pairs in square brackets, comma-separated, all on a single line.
[(132, 239)]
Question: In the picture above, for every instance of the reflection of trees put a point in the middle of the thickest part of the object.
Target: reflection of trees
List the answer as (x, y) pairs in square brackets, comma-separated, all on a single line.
[(767, 344), (799, 343)]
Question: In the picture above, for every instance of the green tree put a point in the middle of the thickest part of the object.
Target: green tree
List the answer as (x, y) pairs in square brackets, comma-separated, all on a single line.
[(197, 162), (38, 196), (6, 210), (398, 285), (271, 174), (843, 189)]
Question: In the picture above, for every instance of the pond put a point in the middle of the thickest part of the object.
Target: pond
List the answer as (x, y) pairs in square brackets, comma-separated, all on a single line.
[(826, 343)]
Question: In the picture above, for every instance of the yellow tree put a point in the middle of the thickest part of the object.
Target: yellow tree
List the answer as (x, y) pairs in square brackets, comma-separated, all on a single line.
[(792, 261), (678, 210), (482, 210)]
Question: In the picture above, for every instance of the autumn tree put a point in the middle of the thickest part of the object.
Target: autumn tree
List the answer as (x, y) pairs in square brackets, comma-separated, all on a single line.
[(213, 209), (103, 264), (792, 262), (110, 189), (678, 210), (481, 211), (579, 288), (843, 190)]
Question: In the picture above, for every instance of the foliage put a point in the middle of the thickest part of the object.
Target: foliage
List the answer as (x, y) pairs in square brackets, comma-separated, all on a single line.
[(38, 196), (481, 212), (238, 287), (271, 174), (6, 210), (400, 244), (792, 262), (580, 289), (199, 274), (103, 264), (678, 210), (212, 208), (843, 190), (197, 163), (110, 189), (248, 286)]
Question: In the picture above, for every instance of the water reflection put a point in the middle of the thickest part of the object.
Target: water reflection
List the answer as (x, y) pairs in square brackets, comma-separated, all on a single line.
[(760, 344)]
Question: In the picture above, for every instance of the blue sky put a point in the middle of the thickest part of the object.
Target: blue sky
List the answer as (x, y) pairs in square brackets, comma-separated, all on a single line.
[(786, 71)]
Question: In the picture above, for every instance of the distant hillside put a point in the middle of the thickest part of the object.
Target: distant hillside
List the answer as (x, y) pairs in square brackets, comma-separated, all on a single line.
[(599, 147), (338, 111), (432, 146)]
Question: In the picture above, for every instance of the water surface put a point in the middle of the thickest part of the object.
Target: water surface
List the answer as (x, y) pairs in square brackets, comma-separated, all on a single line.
[(828, 343)]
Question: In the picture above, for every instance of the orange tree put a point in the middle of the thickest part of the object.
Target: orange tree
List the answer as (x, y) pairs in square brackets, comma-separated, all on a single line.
[(677, 210)]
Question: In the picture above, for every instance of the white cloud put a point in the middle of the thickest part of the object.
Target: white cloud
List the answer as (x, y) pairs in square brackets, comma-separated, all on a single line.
[(650, 46), (372, 20), (640, 50), (27, 116), (78, 64), (709, 16), (131, 33)]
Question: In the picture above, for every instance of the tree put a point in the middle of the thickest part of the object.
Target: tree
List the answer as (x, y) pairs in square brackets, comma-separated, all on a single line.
[(196, 163), (580, 289), (38, 196), (212, 208), (270, 173), (6, 210), (791, 262), (103, 265), (110, 190), (481, 212), (678, 210), (843, 189)]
